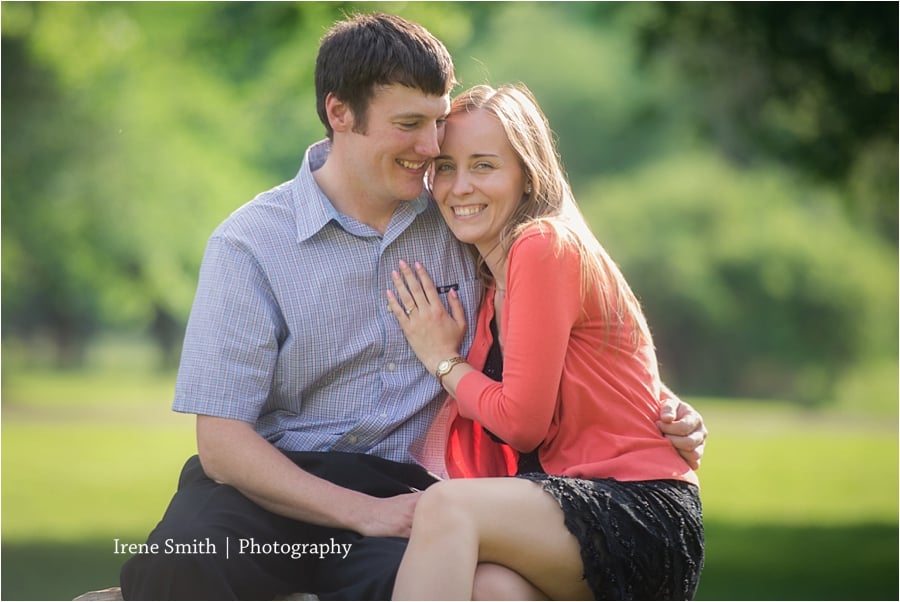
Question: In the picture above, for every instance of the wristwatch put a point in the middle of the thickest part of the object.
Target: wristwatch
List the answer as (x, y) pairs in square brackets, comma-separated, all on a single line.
[(444, 368)]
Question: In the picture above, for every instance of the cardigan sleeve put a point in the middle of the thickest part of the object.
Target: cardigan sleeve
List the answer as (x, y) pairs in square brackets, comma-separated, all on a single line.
[(543, 303)]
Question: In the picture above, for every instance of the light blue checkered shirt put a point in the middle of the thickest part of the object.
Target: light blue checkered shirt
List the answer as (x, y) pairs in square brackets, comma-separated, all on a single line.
[(290, 329)]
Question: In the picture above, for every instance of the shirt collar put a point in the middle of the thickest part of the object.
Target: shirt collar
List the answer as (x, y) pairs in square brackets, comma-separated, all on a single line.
[(314, 210)]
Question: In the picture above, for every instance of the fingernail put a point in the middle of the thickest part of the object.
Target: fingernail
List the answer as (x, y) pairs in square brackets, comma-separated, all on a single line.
[(403, 264), (418, 266)]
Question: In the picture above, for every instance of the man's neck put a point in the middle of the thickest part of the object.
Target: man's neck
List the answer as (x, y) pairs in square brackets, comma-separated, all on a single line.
[(352, 201)]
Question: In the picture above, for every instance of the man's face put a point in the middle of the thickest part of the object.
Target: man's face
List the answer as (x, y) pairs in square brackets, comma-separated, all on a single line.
[(403, 133)]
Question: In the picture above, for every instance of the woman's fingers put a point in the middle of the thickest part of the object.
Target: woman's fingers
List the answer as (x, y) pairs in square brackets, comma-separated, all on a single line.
[(396, 307), (456, 308), (428, 287), (416, 292), (404, 300), (414, 285)]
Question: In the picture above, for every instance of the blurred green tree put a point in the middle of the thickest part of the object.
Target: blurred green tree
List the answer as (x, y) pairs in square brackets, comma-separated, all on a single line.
[(130, 130), (753, 282), (811, 84)]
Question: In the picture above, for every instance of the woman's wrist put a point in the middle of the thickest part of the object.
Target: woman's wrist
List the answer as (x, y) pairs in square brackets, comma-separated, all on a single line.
[(444, 367), (436, 359)]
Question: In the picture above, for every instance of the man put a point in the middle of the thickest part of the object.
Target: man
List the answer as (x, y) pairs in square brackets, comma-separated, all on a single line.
[(311, 407)]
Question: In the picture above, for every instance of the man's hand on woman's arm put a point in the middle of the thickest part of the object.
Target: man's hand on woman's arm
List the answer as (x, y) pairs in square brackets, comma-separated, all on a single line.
[(684, 427)]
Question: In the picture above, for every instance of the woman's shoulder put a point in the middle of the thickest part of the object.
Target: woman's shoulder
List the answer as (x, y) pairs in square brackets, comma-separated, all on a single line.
[(541, 240)]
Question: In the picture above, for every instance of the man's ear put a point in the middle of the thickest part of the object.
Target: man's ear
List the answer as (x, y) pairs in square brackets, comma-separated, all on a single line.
[(340, 117)]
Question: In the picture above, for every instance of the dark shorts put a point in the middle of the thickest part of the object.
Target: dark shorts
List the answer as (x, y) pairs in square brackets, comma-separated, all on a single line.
[(640, 540)]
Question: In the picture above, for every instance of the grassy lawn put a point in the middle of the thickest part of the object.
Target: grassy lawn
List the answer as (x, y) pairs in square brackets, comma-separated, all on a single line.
[(798, 505)]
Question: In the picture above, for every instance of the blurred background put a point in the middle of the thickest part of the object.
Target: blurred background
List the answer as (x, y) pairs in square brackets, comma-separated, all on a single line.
[(739, 161)]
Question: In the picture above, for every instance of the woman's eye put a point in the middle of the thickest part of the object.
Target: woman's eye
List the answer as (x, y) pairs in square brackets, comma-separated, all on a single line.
[(443, 167)]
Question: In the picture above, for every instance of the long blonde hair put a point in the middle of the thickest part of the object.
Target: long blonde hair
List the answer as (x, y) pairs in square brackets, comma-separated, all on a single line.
[(551, 204)]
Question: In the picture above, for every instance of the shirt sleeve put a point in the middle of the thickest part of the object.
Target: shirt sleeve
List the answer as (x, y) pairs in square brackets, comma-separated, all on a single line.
[(543, 304), (231, 341)]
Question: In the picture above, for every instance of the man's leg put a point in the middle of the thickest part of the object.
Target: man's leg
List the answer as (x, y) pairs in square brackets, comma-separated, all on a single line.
[(217, 517), (368, 570), (203, 509)]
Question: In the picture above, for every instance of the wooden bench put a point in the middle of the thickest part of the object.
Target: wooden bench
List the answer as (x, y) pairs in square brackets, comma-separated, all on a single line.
[(115, 593)]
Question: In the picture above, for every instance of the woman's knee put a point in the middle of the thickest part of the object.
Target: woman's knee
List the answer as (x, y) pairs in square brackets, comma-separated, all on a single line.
[(442, 503)]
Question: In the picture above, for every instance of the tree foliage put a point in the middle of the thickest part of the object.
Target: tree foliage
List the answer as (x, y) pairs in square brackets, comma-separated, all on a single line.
[(754, 283), (812, 85), (739, 160)]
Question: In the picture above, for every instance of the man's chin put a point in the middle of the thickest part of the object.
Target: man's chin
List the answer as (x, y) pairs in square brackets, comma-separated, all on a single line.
[(410, 193)]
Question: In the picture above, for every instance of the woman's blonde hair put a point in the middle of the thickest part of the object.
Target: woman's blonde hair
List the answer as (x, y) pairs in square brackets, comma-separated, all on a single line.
[(551, 204)]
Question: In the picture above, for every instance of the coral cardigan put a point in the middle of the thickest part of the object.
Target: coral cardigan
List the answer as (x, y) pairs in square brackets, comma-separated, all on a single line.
[(585, 398)]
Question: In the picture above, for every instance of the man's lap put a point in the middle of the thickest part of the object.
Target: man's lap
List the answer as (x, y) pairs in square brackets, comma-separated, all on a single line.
[(221, 531)]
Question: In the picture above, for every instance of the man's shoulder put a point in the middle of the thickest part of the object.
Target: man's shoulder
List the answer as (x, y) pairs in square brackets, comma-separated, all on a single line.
[(267, 214)]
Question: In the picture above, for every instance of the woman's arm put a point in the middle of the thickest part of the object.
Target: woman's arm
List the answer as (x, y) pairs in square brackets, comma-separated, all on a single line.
[(544, 304)]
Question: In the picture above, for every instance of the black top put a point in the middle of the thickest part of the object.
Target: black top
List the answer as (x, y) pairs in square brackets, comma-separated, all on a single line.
[(493, 369)]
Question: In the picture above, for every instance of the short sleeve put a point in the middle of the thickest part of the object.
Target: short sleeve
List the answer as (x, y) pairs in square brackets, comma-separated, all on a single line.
[(232, 337)]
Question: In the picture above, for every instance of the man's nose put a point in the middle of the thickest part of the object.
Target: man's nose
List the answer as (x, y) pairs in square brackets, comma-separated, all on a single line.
[(428, 143)]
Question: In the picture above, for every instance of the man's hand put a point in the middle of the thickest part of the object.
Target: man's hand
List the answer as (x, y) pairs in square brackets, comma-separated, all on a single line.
[(231, 452), (684, 427), (388, 517)]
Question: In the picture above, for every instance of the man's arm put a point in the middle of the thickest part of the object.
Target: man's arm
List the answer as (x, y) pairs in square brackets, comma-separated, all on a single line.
[(232, 453), (684, 427)]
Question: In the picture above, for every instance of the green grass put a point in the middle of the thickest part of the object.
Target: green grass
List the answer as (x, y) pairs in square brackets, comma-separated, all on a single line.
[(797, 504)]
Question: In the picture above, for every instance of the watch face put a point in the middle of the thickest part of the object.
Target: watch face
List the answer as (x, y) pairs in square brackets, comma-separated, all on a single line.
[(443, 365)]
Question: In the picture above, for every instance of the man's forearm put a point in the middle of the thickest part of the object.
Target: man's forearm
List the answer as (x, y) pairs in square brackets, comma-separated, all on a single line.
[(232, 453)]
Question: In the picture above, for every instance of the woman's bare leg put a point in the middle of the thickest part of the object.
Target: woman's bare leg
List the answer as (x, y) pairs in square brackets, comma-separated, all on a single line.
[(511, 522), (497, 582)]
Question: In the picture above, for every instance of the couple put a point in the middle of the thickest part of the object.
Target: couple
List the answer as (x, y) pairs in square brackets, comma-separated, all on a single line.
[(312, 403)]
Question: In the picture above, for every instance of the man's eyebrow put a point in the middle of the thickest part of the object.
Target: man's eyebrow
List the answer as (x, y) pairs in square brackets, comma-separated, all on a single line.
[(415, 115), (409, 116)]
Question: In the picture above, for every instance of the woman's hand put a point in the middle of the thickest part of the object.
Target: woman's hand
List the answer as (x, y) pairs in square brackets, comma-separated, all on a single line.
[(433, 333)]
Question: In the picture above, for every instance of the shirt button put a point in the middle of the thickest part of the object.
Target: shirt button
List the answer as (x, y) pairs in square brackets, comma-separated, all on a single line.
[(391, 366), (353, 439)]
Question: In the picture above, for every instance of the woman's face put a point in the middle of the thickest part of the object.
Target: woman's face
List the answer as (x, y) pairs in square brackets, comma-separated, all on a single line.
[(478, 182)]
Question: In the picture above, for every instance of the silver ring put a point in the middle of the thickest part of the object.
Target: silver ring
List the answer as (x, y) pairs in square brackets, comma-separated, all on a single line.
[(411, 309)]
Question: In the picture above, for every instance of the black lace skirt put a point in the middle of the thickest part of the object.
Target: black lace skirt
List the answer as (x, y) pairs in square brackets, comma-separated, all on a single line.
[(640, 540)]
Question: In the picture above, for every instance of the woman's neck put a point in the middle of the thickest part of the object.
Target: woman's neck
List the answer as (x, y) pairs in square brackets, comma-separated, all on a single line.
[(495, 260)]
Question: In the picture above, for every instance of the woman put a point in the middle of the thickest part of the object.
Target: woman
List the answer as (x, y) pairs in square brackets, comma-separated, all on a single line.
[(562, 370)]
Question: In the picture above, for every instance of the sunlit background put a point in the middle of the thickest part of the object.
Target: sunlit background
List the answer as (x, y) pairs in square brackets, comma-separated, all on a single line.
[(739, 161)]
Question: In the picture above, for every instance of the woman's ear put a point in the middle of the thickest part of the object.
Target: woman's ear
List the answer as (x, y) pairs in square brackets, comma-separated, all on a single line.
[(340, 117)]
